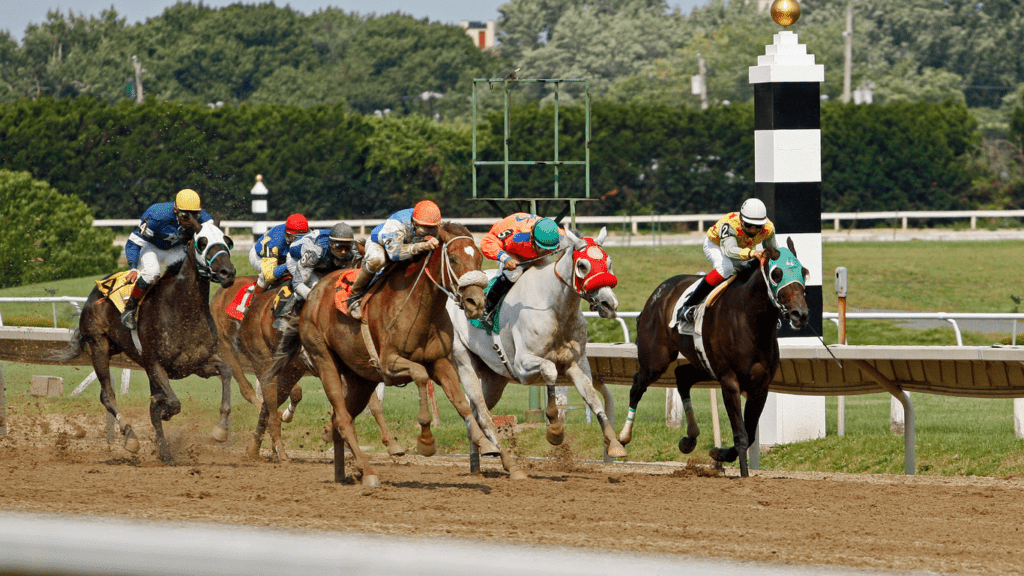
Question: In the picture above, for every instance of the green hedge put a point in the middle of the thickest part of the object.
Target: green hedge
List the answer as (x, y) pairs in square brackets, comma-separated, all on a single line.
[(329, 163)]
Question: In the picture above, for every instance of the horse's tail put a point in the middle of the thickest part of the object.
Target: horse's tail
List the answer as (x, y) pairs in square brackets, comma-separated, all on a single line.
[(288, 347), (73, 349)]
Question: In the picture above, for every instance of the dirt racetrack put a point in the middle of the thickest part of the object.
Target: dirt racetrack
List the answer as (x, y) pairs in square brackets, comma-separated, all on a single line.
[(63, 465)]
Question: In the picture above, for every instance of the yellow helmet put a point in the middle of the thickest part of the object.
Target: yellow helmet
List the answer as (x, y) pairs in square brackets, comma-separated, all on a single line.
[(187, 199)]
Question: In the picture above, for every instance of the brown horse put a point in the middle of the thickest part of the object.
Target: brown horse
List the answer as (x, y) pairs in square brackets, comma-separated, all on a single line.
[(176, 336), (739, 342), (405, 336), (256, 338)]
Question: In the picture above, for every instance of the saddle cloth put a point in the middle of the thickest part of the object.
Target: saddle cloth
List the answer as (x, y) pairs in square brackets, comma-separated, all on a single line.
[(698, 317), (343, 289), (116, 289), (497, 310), (240, 302)]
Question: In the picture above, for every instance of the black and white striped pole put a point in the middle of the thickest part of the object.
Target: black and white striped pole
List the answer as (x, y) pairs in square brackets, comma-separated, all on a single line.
[(787, 178), (259, 208), (787, 154)]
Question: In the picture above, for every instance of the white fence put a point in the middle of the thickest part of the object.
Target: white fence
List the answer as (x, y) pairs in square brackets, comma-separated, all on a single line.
[(656, 220)]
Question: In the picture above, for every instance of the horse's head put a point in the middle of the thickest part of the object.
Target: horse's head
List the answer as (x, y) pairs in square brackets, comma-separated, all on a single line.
[(461, 268), (593, 278), (786, 278), (213, 254)]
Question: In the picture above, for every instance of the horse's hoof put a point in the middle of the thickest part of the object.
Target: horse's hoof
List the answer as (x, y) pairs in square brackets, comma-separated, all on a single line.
[(722, 455), (371, 481), (488, 448), (617, 451), (131, 444), (517, 475), (426, 449), (687, 444), (625, 439), (286, 416), (219, 434), (396, 450), (555, 434)]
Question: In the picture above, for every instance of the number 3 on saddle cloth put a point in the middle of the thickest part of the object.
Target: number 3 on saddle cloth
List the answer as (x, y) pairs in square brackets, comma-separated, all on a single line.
[(116, 289), (343, 289)]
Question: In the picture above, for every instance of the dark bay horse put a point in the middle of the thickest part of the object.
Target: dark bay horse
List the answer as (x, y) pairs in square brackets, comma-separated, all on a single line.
[(176, 336), (405, 336), (739, 341)]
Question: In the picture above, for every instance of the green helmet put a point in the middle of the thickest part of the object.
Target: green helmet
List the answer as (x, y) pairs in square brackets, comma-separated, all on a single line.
[(545, 234)]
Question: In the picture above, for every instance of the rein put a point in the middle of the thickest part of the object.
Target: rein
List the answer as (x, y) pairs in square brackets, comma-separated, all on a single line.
[(582, 294)]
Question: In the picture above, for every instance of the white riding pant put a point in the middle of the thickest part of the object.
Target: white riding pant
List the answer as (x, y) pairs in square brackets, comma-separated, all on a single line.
[(255, 260), (718, 259), (513, 275), (375, 257), (152, 258)]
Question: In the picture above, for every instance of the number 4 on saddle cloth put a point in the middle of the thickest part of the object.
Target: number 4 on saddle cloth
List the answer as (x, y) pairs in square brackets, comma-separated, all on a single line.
[(117, 289)]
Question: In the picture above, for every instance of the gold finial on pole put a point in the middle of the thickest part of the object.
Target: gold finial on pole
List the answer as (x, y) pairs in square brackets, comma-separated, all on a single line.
[(785, 12)]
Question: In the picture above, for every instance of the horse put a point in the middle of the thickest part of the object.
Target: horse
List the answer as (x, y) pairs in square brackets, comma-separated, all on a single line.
[(739, 343), (176, 335), (541, 334), (405, 336)]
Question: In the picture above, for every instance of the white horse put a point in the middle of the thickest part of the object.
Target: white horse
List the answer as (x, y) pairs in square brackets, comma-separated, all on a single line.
[(542, 333)]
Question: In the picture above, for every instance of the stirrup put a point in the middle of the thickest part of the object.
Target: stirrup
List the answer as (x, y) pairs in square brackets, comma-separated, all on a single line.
[(687, 314), (355, 309), (128, 319)]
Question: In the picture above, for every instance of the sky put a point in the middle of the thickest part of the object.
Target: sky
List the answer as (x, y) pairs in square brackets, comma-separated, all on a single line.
[(16, 15)]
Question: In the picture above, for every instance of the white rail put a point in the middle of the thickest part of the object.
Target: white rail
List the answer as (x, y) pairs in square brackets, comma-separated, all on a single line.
[(54, 300), (947, 316), (634, 221)]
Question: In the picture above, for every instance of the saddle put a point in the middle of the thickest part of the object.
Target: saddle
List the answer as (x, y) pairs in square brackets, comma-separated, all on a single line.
[(343, 289), (117, 289), (686, 327)]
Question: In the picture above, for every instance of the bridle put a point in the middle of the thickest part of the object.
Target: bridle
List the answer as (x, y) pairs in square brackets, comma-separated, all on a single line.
[(774, 289), (578, 284)]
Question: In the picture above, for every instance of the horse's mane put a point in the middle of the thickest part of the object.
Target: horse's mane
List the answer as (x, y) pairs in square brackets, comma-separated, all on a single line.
[(455, 228), (174, 269), (746, 270)]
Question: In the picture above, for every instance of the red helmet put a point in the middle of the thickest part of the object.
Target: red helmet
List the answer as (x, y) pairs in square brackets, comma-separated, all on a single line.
[(426, 213), (296, 224)]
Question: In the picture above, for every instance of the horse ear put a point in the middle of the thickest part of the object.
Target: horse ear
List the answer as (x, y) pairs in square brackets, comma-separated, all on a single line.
[(229, 242), (601, 236), (806, 272), (789, 243), (572, 237)]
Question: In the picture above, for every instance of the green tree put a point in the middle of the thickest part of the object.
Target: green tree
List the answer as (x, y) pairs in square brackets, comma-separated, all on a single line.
[(45, 235)]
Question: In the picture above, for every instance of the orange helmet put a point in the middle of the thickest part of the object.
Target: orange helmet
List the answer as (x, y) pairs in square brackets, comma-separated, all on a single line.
[(426, 213), (296, 224)]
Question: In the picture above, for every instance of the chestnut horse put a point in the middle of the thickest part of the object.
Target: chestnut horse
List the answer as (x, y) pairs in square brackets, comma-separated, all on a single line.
[(739, 343), (176, 336), (405, 336), (256, 338)]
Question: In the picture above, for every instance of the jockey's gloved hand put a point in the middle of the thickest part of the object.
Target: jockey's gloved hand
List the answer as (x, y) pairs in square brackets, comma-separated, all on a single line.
[(427, 246)]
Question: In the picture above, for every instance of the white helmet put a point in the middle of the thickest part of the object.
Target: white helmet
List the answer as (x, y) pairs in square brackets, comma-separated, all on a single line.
[(753, 212)]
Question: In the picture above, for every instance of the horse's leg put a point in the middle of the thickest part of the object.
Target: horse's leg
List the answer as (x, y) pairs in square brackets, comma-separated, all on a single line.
[(221, 429), (653, 359), (469, 369), (581, 378), (287, 389), (731, 396), (163, 404), (229, 353), (99, 349), (398, 367), (686, 376), (253, 449), (756, 397), (386, 437), (294, 397), (338, 391), (528, 365), (555, 433), (273, 418), (447, 376)]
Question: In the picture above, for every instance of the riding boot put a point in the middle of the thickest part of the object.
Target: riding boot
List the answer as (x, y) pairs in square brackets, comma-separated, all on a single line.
[(132, 305), (355, 300), (689, 309), (498, 291), (286, 310)]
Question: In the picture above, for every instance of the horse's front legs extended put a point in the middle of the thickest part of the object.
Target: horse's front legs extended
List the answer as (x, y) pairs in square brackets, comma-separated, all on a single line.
[(584, 382), (397, 368), (731, 397)]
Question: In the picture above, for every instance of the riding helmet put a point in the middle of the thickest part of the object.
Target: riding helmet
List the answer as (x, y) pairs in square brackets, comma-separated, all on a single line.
[(426, 213), (296, 224), (753, 212), (187, 200), (545, 234), (342, 231)]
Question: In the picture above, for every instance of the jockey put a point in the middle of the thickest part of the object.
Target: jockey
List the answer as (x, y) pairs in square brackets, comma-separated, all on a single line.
[(515, 242), (313, 256), (159, 241), (731, 240), (404, 234), (270, 251)]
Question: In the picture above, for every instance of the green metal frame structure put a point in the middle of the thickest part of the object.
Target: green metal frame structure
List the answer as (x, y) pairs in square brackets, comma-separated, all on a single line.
[(556, 162)]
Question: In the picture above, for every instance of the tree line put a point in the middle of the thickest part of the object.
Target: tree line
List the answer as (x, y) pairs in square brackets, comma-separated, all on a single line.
[(329, 162)]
